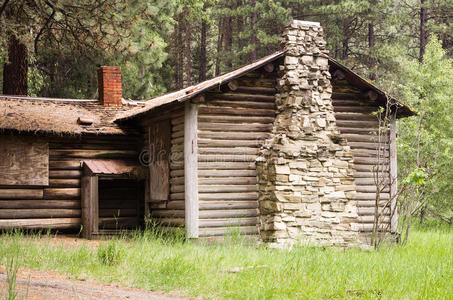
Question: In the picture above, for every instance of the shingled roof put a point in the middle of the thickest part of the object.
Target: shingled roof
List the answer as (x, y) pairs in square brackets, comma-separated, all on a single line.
[(58, 116), (192, 91)]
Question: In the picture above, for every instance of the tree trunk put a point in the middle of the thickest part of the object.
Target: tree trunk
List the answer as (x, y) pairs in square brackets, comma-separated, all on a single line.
[(204, 31), (180, 46), (188, 54), (228, 41), (423, 33), (371, 50), (15, 69), (345, 50), (253, 39), (218, 61)]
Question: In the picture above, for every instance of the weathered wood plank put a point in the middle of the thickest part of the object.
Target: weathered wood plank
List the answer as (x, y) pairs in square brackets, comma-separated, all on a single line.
[(21, 193), (220, 231), (238, 119), (227, 166), (247, 127), (65, 174), (159, 163), (226, 135), (39, 213), (228, 196), (229, 143), (65, 165), (61, 193), (55, 223), (227, 188), (237, 111), (24, 161), (191, 169), (226, 158), (242, 96), (251, 221), (64, 183), (228, 213), (239, 104), (228, 180), (216, 205), (227, 173), (236, 150), (30, 204)]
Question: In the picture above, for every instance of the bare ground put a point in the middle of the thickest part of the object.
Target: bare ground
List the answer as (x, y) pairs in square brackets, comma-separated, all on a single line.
[(51, 285)]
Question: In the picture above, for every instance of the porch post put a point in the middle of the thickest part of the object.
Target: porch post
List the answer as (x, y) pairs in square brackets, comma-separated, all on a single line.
[(191, 169), (393, 175), (90, 205)]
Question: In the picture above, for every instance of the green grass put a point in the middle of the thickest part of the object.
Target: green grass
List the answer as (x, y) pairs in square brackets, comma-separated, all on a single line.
[(422, 269)]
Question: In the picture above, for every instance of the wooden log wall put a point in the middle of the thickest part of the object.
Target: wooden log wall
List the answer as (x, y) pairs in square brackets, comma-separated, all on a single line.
[(170, 212), (353, 111), (232, 125), (58, 205)]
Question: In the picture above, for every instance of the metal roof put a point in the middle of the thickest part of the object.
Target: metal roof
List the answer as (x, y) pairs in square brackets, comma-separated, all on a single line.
[(111, 167)]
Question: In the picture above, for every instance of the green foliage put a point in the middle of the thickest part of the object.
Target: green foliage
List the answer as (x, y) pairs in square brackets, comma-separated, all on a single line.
[(110, 253), (425, 141)]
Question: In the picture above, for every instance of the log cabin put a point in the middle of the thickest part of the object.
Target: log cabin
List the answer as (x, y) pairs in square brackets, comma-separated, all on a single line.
[(283, 149)]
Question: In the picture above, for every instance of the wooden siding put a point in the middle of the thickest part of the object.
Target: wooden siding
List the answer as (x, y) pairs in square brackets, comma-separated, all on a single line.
[(357, 124), (170, 211), (232, 125), (58, 205)]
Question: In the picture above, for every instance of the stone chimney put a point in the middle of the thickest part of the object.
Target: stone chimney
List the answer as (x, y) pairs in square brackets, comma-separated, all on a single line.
[(109, 86), (305, 170)]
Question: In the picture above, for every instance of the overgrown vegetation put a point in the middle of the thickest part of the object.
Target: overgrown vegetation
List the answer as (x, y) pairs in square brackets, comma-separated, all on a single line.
[(237, 270)]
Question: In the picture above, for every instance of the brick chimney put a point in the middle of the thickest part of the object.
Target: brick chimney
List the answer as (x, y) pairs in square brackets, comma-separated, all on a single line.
[(109, 86)]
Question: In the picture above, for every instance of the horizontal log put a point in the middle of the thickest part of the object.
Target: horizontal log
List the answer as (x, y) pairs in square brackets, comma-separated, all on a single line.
[(358, 130), (177, 188), (177, 172), (370, 153), (370, 168), (65, 174), (236, 150), (251, 221), (93, 153), (177, 196), (64, 183), (227, 135), (64, 165), (371, 188), (21, 193), (371, 203), (216, 205), (236, 111), (369, 125), (263, 82), (226, 158), (227, 213), (378, 162), (177, 134), (229, 143), (177, 141), (226, 166), (170, 222), (370, 211), (365, 145), (238, 103), (167, 213), (352, 102), (55, 223), (119, 145), (226, 173), (371, 196), (365, 138), (227, 188), (177, 120), (228, 196), (370, 219), (238, 119), (371, 181), (29, 204), (256, 90), (232, 180), (247, 127), (337, 95), (242, 96), (221, 231), (366, 229), (355, 116), (39, 213), (61, 193), (354, 109)]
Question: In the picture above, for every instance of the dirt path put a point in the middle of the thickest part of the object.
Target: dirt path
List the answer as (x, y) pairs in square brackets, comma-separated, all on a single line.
[(51, 285)]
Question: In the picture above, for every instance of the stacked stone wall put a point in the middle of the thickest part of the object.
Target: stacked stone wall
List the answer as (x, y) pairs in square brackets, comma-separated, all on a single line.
[(305, 170)]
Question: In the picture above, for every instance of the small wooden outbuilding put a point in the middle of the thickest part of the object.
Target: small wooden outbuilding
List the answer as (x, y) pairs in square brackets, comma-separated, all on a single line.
[(283, 148)]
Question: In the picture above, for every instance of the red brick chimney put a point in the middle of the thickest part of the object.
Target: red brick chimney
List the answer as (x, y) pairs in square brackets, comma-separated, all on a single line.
[(109, 86)]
